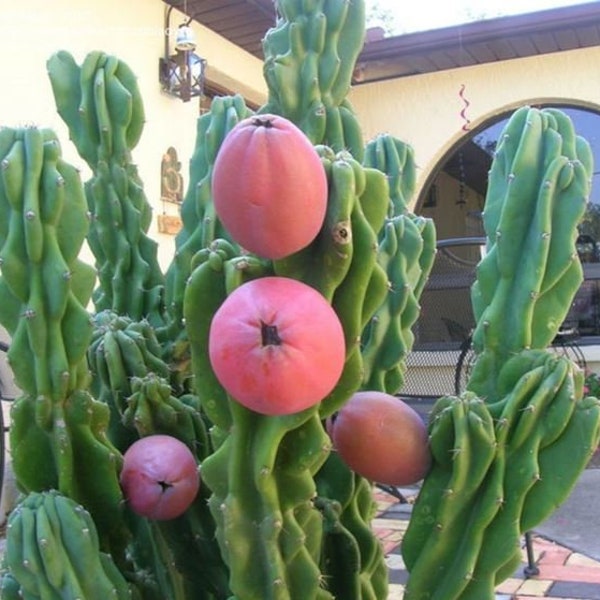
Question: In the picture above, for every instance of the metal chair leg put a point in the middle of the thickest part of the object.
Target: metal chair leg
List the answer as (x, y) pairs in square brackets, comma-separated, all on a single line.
[(531, 569), (392, 491)]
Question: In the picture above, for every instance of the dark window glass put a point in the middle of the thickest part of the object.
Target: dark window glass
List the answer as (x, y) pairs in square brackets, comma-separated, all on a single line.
[(454, 199)]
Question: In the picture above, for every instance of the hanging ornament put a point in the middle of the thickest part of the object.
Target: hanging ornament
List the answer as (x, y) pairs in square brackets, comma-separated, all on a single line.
[(462, 192), (463, 112)]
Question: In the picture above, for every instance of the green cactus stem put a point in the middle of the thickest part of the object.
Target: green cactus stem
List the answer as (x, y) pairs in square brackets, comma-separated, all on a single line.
[(362, 290), (53, 551), (352, 561), (406, 252), (262, 482), (201, 227), (131, 376), (122, 349), (309, 58), (396, 159), (101, 104), (491, 479), (538, 190), (310, 55), (263, 520), (55, 421), (152, 409)]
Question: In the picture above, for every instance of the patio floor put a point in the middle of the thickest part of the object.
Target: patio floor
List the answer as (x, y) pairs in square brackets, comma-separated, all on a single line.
[(564, 574)]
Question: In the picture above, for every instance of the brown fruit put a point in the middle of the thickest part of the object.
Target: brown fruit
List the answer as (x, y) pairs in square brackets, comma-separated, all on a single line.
[(381, 438)]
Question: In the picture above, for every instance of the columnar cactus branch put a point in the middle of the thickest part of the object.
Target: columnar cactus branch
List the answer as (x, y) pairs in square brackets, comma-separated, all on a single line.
[(310, 56), (491, 477), (53, 550), (539, 184), (56, 425), (200, 223), (102, 107), (406, 254), (261, 501)]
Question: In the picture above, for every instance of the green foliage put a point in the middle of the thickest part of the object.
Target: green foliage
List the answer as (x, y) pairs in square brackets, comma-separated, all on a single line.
[(590, 223), (591, 384)]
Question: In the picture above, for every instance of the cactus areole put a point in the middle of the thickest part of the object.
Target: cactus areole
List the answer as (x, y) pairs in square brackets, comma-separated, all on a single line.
[(269, 186), (277, 346)]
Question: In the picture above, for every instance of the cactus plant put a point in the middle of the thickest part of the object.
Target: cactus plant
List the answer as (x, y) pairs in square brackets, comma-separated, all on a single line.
[(56, 551), (492, 479), (102, 106), (278, 515)]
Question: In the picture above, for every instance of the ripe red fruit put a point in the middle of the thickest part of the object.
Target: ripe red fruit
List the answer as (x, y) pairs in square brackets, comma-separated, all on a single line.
[(276, 346), (269, 186), (159, 477), (381, 438)]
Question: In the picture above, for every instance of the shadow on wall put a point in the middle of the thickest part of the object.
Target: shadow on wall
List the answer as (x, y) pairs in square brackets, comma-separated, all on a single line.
[(8, 390)]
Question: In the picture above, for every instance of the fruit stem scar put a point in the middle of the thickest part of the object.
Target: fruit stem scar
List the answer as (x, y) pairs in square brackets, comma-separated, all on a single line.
[(164, 485), (262, 122), (270, 336)]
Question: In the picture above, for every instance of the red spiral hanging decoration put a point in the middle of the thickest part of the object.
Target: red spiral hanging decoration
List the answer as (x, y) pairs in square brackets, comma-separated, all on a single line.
[(463, 112)]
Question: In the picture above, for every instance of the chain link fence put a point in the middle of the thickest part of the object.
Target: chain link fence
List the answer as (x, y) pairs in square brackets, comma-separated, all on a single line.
[(442, 355)]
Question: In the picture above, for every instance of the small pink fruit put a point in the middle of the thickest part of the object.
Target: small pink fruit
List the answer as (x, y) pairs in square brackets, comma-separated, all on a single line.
[(159, 477), (269, 186), (277, 346), (381, 438)]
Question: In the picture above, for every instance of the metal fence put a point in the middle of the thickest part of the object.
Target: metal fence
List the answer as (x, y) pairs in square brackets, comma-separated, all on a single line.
[(442, 354), (443, 330)]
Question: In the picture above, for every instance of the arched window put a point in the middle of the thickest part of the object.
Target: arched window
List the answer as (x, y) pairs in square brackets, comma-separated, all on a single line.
[(454, 198), (455, 193)]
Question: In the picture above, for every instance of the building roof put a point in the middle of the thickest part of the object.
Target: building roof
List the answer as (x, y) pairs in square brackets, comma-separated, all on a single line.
[(481, 42), (244, 22)]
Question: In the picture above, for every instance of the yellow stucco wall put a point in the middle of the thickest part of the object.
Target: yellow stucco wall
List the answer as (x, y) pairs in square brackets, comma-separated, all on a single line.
[(133, 30), (425, 110)]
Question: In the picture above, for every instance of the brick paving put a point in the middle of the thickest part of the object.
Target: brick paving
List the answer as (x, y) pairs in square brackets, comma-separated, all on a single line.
[(563, 573)]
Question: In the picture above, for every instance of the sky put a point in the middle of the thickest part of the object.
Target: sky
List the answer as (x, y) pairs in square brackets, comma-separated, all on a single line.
[(433, 14)]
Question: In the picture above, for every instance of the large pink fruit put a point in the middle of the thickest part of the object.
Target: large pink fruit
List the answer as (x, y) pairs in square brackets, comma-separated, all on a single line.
[(276, 346), (159, 477), (269, 186), (381, 438)]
